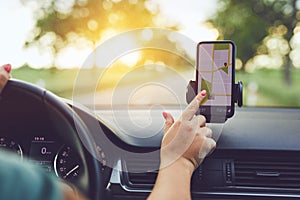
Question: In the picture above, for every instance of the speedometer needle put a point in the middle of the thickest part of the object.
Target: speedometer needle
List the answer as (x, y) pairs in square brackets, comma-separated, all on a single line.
[(70, 172)]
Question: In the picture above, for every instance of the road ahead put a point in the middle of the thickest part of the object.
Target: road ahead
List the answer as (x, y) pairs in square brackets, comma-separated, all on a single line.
[(170, 89)]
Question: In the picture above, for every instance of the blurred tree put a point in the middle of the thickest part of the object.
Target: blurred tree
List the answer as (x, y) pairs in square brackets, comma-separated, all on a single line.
[(249, 22), (86, 18), (60, 23)]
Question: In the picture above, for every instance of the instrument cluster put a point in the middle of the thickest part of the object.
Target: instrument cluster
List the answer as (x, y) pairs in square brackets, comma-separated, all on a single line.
[(50, 154)]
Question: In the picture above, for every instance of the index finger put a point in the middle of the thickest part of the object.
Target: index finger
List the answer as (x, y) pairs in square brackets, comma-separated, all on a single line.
[(192, 108)]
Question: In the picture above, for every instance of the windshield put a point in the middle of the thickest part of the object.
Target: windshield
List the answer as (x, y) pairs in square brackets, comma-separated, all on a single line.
[(136, 53)]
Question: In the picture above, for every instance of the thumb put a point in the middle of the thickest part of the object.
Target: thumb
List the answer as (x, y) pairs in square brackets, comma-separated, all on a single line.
[(169, 121)]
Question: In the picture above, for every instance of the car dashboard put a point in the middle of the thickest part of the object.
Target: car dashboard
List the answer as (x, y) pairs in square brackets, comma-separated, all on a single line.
[(257, 154)]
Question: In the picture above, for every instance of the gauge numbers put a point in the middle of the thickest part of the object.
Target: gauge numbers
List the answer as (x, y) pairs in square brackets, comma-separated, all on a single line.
[(11, 145), (67, 163)]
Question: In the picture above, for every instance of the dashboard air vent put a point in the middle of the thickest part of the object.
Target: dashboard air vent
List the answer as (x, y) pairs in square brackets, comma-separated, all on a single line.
[(147, 178), (267, 174), (140, 173)]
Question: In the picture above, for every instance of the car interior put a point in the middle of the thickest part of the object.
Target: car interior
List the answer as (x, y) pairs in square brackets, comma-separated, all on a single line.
[(107, 144), (256, 156)]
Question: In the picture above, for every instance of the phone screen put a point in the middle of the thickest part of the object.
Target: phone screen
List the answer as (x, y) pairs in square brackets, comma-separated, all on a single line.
[(215, 74)]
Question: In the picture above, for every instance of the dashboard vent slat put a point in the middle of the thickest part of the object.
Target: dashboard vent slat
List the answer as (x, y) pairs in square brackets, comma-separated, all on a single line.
[(261, 173), (147, 178), (140, 172)]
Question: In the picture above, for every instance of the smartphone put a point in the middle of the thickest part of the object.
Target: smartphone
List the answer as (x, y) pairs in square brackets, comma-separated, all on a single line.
[(215, 74)]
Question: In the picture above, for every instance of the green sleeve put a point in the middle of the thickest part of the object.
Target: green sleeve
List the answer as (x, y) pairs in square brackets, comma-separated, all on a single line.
[(22, 180)]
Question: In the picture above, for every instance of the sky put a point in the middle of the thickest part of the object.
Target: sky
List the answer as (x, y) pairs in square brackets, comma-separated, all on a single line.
[(190, 14), (17, 22)]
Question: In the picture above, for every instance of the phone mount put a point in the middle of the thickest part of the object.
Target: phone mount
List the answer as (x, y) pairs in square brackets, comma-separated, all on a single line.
[(237, 92)]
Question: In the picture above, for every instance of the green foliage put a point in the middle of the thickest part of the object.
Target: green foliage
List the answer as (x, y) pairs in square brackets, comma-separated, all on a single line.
[(86, 18), (58, 81), (84, 23), (248, 22), (270, 88)]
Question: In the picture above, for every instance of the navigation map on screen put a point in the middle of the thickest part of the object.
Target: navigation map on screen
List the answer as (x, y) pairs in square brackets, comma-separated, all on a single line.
[(215, 72)]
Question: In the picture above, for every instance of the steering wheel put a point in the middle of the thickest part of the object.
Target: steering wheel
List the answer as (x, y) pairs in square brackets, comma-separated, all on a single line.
[(24, 102)]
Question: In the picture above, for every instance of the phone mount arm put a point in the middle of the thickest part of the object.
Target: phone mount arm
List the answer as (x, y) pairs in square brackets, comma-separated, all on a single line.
[(191, 92), (238, 93)]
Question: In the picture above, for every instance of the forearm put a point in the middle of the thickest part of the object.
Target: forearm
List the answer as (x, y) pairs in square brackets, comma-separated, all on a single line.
[(173, 182)]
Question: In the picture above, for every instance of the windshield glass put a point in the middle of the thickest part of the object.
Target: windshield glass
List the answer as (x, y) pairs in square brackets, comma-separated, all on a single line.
[(130, 52)]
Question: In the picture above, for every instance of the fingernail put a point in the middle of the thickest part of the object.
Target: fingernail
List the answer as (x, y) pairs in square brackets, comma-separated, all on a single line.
[(164, 114), (203, 93), (7, 68)]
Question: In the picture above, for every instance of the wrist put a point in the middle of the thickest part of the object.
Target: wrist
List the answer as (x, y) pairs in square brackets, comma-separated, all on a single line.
[(186, 165), (181, 165), (169, 176)]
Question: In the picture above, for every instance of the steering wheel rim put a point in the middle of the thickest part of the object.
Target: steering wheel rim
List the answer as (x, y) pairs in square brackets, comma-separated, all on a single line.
[(58, 112)]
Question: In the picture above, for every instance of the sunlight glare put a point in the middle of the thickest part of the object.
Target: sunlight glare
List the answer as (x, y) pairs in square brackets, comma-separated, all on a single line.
[(147, 34), (131, 59), (294, 55), (116, 45), (106, 34), (42, 58), (92, 25), (72, 57)]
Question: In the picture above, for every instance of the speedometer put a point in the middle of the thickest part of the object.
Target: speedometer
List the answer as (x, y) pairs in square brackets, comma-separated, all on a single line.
[(67, 163), (11, 145)]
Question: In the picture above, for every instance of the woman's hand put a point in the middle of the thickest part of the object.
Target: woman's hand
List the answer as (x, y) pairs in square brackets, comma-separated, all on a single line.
[(185, 144), (4, 75), (187, 140)]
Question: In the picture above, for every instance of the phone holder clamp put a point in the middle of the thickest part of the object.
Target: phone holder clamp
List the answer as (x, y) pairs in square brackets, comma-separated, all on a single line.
[(238, 93)]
